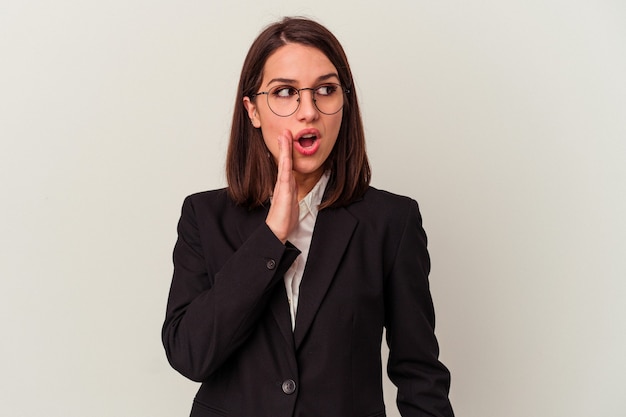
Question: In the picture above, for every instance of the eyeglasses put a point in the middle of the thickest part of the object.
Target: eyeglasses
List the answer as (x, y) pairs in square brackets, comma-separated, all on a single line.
[(284, 100)]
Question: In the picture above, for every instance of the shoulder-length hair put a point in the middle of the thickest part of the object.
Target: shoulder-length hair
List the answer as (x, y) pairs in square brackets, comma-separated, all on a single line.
[(250, 171)]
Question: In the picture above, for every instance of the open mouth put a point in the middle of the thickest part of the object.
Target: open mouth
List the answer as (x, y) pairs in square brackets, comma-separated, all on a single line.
[(306, 141)]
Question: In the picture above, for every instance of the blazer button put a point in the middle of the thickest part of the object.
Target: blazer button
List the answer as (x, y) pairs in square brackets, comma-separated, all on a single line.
[(289, 386), (271, 264)]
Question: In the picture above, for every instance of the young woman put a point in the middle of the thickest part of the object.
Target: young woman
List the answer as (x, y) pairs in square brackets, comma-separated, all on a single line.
[(284, 280)]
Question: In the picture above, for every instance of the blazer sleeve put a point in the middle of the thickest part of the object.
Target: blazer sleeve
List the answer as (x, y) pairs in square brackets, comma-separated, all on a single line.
[(211, 314), (423, 382)]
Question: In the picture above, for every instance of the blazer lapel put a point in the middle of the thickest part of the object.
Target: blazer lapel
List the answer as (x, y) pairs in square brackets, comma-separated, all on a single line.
[(280, 310), (332, 233)]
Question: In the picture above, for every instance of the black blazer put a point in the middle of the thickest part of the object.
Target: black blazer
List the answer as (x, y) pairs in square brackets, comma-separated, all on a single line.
[(228, 323)]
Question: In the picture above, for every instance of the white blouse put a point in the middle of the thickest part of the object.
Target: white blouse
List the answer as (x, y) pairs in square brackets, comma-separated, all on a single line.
[(300, 237)]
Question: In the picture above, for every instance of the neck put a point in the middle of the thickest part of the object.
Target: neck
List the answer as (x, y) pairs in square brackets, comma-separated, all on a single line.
[(306, 182)]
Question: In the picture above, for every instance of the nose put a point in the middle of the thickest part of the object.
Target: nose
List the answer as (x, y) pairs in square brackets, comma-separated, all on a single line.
[(307, 110)]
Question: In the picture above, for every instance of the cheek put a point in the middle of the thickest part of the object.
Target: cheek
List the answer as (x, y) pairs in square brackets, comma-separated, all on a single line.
[(336, 126), (272, 126)]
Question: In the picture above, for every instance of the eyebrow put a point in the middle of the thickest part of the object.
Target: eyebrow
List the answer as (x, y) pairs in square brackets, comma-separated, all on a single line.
[(290, 81)]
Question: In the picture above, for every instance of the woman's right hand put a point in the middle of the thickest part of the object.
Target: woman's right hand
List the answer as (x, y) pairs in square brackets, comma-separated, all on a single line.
[(283, 213)]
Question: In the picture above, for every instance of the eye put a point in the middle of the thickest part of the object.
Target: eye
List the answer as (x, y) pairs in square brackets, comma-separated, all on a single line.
[(326, 90), (284, 92)]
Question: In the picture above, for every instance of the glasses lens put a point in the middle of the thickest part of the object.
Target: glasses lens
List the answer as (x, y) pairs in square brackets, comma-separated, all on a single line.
[(329, 98), (285, 100)]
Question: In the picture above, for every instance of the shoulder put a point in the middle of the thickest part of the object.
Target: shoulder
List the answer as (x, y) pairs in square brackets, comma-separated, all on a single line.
[(383, 200), (215, 208), (213, 203), (210, 198), (216, 201), (200, 203), (384, 207), (376, 196)]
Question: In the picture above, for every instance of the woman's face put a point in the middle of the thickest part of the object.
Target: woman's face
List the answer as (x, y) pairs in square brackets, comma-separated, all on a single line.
[(314, 133)]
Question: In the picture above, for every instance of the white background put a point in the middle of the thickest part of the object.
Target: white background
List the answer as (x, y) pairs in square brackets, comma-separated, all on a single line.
[(505, 119)]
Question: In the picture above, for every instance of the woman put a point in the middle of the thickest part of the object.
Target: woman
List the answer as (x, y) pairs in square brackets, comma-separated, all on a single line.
[(284, 280)]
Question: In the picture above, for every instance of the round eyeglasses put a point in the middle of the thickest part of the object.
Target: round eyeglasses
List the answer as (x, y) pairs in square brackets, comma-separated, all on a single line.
[(284, 100)]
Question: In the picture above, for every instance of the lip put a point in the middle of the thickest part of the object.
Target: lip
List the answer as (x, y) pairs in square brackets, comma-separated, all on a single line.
[(311, 149)]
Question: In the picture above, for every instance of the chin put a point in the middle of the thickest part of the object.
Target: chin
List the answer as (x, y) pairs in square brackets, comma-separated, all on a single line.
[(307, 169)]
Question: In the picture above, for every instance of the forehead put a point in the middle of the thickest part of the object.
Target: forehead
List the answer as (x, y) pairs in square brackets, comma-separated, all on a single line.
[(297, 62)]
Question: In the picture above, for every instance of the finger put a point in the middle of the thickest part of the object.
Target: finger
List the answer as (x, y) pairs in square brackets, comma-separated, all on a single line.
[(282, 215), (285, 164)]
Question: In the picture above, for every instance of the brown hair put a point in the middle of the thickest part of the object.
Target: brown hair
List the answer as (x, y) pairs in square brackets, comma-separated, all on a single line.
[(250, 172)]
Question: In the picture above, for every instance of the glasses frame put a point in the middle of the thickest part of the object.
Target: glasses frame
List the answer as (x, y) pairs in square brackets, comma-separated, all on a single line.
[(298, 90)]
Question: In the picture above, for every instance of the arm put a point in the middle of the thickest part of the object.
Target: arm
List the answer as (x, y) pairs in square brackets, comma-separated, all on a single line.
[(423, 381), (210, 314)]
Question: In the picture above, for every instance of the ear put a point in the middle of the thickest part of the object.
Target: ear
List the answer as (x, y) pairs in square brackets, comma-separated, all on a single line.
[(252, 112)]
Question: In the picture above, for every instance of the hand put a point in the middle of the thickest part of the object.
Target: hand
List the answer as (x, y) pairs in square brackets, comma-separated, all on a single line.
[(284, 211)]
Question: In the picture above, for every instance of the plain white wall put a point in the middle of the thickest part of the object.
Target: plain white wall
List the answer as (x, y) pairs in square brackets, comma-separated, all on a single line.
[(505, 119)]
